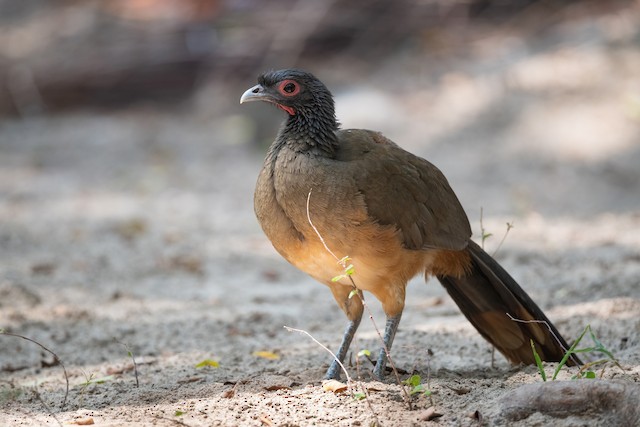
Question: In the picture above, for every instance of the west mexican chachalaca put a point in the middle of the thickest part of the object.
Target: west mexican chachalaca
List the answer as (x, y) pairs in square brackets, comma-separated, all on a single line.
[(392, 213)]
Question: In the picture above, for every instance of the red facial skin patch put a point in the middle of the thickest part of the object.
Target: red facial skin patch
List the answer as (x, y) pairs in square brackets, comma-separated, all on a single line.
[(289, 110), (289, 88)]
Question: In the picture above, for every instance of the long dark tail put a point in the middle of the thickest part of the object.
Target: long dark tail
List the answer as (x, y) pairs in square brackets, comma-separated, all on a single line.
[(487, 295)]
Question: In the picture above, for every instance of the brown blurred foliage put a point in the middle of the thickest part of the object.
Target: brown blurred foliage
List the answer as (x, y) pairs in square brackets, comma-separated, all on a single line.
[(71, 54)]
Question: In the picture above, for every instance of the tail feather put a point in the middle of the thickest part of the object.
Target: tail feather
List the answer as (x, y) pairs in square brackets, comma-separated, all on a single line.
[(487, 295)]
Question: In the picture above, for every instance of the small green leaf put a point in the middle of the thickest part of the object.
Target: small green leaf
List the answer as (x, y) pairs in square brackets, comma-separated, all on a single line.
[(100, 380), (103, 379), (338, 278), (536, 356), (344, 260), (568, 353), (590, 374), (594, 338), (359, 396), (349, 270), (208, 362), (179, 413), (364, 352), (413, 381), (599, 346), (417, 389), (353, 293)]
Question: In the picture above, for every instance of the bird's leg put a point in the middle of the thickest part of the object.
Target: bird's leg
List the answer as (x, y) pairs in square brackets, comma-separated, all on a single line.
[(353, 308), (333, 373), (389, 333)]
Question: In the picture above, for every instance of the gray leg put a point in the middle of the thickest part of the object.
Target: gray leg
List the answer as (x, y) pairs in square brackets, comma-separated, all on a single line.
[(389, 333), (333, 373)]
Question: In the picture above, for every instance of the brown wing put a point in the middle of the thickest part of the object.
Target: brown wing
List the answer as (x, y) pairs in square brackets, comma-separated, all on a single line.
[(406, 191)]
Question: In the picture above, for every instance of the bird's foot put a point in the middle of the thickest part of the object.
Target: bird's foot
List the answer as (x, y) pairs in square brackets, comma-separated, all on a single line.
[(333, 373), (380, 369)]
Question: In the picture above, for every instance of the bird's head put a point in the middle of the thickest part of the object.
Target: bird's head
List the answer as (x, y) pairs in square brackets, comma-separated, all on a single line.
[(295, 91)]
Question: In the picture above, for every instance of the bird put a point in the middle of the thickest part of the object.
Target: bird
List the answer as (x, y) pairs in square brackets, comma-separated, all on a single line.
[(327, 195)]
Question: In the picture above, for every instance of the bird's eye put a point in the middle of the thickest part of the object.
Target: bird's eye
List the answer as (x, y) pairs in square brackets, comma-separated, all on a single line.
[(289, 88)]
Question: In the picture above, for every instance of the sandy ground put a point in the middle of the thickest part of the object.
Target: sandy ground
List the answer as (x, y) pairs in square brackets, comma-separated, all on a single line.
[(135, 232)]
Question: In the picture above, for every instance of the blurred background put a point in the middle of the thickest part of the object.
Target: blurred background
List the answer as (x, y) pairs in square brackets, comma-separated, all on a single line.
[(535, 85), (127, 165)]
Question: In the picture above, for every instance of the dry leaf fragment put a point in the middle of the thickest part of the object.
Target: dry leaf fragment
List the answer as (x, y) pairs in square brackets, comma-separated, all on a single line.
[(188, 380), (271, 275), (266, 355), (334, 386), (121, 369), (476, 415), (228, 394), (84, 422), (43, 268), (266, 421), (430, 414), (131, 228), (209, 363), (116, 370), (460, 391), (276, 387), (187, 263)]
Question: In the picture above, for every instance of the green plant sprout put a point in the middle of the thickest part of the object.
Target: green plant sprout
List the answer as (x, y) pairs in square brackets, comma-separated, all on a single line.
[(585, 370), (415, 382), (349, 270)]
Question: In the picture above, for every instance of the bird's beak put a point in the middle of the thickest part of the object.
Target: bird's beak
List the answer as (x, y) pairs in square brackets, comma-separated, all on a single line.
[(255, 93)]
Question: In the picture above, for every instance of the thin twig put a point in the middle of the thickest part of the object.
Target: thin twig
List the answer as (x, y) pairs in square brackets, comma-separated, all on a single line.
[(429, 379), (343, 262), (504, 237), (317, 232), (44, 404), (55, 356), (366, 393), (483, 236), (545, 323), (324, 347), (133, 359)]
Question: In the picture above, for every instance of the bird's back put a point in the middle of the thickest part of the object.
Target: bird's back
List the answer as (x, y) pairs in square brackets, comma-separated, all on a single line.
[(405, 191)]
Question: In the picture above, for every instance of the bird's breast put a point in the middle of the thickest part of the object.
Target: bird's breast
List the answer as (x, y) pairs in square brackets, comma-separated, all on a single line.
[(313, 214)]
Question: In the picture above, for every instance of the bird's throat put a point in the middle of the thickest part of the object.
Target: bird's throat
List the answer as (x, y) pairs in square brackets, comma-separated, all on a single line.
[(311, 133)]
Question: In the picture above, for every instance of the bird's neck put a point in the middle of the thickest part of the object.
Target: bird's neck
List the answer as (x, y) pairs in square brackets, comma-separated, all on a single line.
[(311, 132)]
